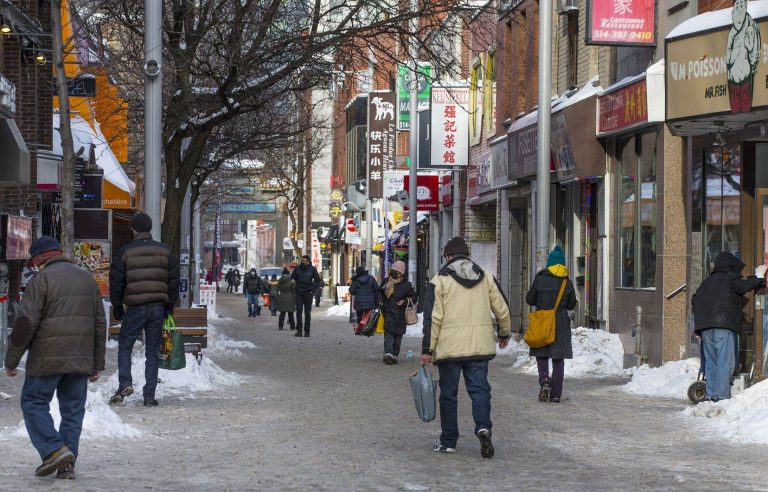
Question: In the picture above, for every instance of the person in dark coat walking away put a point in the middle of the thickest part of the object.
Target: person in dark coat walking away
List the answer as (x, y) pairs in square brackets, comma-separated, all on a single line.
[(717, 315), (230, 279), (460, 304), (543, 295), (253, 288), (395, 293), (144, 276), (286, 299), (319, 292), (273, 293), (238, 278), (365, 292), (306, 278), (61, 323)]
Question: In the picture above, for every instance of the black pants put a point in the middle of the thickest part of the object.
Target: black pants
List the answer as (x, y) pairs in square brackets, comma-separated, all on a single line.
[(281, 320), (392, 343), (317, 299), (303, 304)]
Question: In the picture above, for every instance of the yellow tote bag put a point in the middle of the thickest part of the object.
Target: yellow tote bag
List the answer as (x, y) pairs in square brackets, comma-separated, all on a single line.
[(380, 324), (541, 324)]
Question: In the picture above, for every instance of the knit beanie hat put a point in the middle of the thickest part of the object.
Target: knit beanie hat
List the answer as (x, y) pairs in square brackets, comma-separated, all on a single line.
[(556, 257), (398, 266), (456, 246), (141, 222), (44, 244)]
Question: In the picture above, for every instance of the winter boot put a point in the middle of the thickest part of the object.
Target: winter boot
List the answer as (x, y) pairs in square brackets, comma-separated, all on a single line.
[(250, 310), (66, 473), (298, 332), (486, 446), (54, 461), (439, 448), (150, 401), (306, 333), (545, 391), (120, 395)]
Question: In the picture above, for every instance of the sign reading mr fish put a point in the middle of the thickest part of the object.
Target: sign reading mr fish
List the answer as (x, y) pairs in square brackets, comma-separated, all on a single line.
[(719, 71)]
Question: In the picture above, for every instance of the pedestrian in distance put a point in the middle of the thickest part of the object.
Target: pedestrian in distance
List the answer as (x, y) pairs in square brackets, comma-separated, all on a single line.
[(365, 292), (543, 294), (230, 279), (238, 279), (209, 276), (273, 293), (144, 276), (307, 279), (395, 293), (717, 313), (61, 323), (253, 288), (460, 338), (286, 299), (319, 292)]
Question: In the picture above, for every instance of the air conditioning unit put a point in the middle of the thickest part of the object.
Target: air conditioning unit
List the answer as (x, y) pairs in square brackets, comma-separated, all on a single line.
[(567, 6)]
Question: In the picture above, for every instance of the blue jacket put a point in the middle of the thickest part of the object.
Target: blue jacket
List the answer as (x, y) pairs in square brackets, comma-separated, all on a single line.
[(366, 291)]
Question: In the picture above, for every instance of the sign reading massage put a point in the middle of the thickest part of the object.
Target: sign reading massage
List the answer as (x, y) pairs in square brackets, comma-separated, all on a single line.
[(719, 71)]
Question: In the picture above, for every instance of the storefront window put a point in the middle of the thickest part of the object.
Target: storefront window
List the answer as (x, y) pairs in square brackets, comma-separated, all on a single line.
[(637, 212), (722, 213)]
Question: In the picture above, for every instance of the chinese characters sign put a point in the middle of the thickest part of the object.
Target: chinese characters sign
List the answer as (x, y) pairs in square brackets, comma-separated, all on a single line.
[(450, 126), (622, 108), (621, 22), (381, 139)]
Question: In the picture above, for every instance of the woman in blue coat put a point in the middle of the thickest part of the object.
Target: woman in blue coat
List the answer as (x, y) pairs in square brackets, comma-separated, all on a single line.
[(365, 290)]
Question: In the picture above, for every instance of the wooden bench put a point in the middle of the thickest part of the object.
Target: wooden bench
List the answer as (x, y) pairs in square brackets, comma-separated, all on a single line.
[(191, 322)]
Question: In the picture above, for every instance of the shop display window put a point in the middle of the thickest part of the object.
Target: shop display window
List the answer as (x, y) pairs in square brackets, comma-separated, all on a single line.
[(636, 217), (722, 202)]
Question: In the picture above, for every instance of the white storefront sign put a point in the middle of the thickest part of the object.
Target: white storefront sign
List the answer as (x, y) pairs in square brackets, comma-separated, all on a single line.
[(450, 126)]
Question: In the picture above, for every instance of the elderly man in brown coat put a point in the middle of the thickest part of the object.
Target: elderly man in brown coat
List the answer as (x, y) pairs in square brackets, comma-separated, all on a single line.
[(61, 322)]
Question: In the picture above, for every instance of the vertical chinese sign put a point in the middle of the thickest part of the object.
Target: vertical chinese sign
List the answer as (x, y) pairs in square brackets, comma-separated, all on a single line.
[(382, 118), (450, 126), (621, 22)]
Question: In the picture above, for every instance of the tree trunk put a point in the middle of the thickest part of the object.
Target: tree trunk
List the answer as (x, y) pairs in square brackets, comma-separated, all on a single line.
[(65, 129)]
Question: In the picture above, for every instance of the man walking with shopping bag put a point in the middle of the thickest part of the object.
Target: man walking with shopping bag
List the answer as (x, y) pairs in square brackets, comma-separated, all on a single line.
[(459, 337), (145, 277), (61, 322)]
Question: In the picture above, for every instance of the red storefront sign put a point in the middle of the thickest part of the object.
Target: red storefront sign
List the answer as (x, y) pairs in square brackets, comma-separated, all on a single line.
[(446, 191), (621, 22), (623, 108), (427, 192)]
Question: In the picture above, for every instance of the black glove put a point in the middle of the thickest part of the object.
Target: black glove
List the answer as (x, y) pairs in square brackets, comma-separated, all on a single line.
[(118, 313), (168, 310)]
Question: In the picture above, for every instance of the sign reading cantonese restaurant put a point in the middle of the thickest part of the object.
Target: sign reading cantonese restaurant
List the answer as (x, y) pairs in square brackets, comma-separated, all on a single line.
[(450, 126), (722, 70), (621, 22), (623, 108), (382, 120)]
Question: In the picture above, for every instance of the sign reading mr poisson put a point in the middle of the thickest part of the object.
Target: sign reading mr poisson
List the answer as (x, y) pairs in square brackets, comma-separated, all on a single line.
[(722, 70)]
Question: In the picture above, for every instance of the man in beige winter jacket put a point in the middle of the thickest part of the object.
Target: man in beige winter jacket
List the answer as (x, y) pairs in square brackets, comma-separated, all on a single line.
[(460, 304)]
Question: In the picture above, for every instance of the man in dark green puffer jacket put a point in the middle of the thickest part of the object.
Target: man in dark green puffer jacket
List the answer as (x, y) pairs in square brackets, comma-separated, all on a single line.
[(144, 276), (61, 322)]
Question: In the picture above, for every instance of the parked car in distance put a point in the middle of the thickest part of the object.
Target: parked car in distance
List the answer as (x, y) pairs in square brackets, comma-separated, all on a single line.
[(271, 270)]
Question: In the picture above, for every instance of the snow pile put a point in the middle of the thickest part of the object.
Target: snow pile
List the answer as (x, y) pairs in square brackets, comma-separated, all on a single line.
[(100, 421), (668, 381), (112, 344), (596, 354), (743, 418), (340, 310), (219, 342), (416, 330), (206, 376)]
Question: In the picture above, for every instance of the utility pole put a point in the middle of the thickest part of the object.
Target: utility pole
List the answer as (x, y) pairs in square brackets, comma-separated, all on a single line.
[(545, 113), (153, 106), (413, 140)]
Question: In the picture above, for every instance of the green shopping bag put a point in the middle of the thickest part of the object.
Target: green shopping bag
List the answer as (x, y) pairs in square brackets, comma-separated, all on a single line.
[(172, 354)]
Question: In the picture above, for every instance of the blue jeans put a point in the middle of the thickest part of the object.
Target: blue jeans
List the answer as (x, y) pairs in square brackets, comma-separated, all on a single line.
[(71, 391), (253, 303), (719, 347), (476, 380), (149, 318)]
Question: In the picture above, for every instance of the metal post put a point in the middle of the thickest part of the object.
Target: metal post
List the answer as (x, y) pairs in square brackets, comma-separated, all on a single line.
[(369, 235), (197, 251), (184, 261), (412, 175), (153, 103), (456, 203), (545, 113)]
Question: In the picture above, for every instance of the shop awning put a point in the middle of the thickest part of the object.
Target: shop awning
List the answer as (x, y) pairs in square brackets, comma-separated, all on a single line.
[(14, 154), (575, 151), (702, 96), (93, 141)]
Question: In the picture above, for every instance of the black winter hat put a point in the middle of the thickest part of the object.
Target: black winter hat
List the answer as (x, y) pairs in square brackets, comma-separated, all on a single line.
[(44, 244), (141, 222), (456, 246)]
